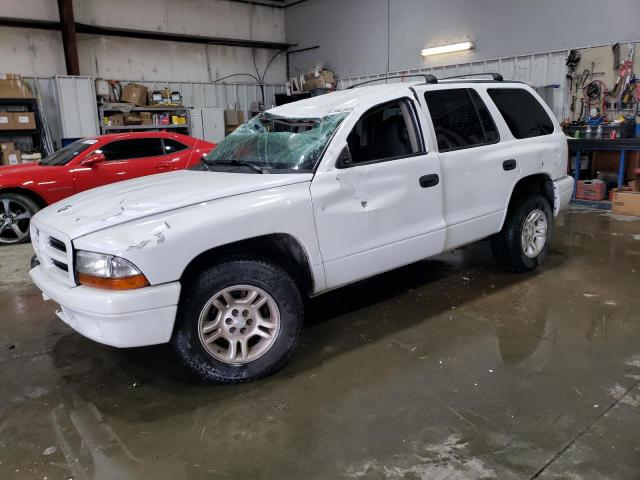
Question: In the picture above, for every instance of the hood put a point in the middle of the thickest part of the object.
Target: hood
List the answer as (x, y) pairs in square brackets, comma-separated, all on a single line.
[(122, 202), (21, 169)]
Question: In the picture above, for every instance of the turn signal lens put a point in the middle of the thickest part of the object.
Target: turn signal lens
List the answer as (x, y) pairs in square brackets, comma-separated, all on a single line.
[(125, 283)]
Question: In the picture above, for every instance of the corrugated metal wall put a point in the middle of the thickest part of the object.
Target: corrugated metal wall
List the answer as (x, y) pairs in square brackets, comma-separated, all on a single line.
[(224, 95), (200, 95), (544, 71)]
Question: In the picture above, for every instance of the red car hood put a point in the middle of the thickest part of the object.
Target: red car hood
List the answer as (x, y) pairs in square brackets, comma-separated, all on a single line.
[(24, 170)]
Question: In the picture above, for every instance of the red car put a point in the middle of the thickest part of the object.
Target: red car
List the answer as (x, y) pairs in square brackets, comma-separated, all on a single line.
[(85, 164)]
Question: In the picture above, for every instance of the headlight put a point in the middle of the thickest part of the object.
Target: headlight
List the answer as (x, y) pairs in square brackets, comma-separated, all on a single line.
[(107, 271)]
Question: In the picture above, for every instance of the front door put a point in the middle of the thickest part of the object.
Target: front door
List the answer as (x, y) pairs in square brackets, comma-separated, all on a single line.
[(382, 207), (124, 159)]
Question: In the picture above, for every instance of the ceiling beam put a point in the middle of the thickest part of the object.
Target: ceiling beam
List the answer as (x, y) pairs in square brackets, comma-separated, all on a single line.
[(143, 34)]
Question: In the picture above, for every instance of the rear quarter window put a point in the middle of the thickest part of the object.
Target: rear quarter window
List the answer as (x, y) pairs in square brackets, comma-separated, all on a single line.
[(523, 114)]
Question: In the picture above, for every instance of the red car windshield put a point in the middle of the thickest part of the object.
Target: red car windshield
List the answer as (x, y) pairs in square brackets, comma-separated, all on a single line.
[(68, 153)]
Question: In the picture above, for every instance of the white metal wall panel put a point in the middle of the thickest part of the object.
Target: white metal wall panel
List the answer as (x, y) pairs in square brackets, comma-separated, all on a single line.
[(77, 106)]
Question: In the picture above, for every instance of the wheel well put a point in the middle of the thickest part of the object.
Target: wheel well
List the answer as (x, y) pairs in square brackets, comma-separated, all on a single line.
[(27, 193), (279, 248), (539, 183)]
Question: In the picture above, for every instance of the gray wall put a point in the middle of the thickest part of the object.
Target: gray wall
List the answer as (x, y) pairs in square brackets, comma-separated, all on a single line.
[(353, 34)]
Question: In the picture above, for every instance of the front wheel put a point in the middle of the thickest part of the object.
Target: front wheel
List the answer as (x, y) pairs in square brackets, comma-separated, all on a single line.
[(239, 320), (15, 215), (523, 242)]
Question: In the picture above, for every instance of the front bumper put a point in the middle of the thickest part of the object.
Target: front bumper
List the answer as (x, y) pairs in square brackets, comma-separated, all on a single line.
[(562, 192), (132, 318)]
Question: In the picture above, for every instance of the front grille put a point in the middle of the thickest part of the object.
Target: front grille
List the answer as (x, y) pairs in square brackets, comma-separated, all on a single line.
[(54, 252), (62, 266), (57, 244)]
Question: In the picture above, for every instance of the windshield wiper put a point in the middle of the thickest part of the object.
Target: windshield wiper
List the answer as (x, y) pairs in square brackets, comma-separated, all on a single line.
[(240, 163)]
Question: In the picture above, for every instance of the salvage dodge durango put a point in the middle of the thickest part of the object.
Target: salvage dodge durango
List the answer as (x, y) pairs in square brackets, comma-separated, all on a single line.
[(300, 200)]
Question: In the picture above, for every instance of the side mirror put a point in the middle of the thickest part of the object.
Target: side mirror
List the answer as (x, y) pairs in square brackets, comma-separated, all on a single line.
[(344, 159), (94, 159)]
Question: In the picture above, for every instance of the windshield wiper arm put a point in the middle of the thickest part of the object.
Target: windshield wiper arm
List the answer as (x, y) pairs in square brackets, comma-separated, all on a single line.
[(240, 163)]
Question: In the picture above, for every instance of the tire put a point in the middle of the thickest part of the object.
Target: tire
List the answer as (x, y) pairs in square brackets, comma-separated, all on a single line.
[(223, 285), (20, 208), (508, 245)]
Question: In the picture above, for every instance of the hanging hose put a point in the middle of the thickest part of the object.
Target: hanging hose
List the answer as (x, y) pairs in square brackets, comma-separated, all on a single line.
[(594, 94)]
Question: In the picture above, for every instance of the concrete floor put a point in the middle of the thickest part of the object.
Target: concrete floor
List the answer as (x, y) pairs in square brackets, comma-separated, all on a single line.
[(449, 368)]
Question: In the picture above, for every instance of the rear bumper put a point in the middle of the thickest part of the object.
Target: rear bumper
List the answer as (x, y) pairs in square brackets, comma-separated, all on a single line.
[(132, 318), (562, 191)]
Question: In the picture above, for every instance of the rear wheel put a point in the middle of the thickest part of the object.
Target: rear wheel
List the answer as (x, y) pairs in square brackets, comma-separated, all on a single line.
[(523, 242), (15, 215), (239, 321)]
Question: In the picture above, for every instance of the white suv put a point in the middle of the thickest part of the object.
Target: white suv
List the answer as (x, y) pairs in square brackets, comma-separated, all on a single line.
[(300, 200)]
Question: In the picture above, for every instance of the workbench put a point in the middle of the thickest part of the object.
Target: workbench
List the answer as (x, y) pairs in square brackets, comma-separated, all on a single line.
[(622, 145)]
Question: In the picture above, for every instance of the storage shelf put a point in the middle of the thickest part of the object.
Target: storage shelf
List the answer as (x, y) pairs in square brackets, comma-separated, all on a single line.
[(143, 127), (20, 132), (119, 107), (17, 101)]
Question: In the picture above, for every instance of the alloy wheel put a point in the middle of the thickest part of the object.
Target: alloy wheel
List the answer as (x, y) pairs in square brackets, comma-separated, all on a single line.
[(239, 324), (14, 221)]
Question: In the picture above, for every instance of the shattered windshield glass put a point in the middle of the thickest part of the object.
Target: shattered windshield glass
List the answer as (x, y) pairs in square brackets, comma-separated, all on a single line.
[(273, 144)]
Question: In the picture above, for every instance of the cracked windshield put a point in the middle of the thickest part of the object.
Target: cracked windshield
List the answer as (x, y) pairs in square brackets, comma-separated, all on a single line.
[(272, 144)]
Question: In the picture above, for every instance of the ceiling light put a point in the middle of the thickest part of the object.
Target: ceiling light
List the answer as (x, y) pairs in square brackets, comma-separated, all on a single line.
[(454, 47)]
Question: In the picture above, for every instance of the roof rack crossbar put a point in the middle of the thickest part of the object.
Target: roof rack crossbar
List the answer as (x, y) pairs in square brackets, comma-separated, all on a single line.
[(427, 78), (496, 76)]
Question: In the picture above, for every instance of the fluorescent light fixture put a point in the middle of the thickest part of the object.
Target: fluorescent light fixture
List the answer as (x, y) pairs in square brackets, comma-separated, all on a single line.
[(454, 47)]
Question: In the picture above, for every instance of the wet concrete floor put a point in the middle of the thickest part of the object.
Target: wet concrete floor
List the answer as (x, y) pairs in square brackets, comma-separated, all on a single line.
[(449, 368)]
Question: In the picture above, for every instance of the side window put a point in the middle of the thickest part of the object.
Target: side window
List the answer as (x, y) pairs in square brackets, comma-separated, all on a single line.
[(172, 146), (523, 114), (125, 149), (385, 132), (460, 119)]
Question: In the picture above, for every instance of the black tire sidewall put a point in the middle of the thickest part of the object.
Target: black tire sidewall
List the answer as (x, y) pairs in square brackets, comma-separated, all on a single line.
[(270, 278), (514, 242)]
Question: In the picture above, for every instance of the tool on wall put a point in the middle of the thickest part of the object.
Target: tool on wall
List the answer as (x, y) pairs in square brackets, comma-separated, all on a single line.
[(624, 73)]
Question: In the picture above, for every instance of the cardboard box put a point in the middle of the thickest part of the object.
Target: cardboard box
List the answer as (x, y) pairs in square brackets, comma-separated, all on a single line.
[(233, 117), (626, 203), (6, 120), (132, 119), (134, 93), (31, 157), (14, 88), (115, 120), (7, 146), (24, 121), (322, 79), (11, 157), (634, 185)]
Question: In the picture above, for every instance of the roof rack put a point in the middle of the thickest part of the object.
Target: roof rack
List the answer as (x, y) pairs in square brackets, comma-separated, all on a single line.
[(496, 76), (427, 78)]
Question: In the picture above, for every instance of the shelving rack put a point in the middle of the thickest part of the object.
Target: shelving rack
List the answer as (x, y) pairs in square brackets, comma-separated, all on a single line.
[(125, 108), (32, 106)]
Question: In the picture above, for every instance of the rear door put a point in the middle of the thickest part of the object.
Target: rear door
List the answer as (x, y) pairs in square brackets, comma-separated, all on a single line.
[(124, 159), (383, 208), (478, 167)]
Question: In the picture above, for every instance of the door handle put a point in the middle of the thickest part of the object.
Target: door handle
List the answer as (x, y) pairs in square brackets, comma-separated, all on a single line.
[(162, 166), (509, 164), (431, 180)]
